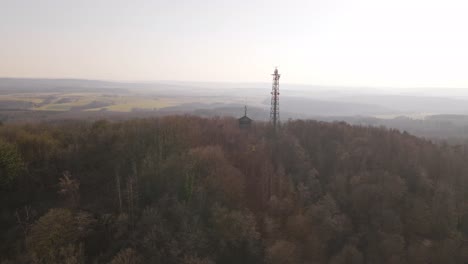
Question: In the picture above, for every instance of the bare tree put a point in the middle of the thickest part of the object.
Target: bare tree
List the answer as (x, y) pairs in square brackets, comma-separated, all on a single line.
[(70, 189)]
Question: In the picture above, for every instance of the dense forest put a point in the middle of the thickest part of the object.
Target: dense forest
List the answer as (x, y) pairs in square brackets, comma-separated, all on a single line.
[(183, 189)]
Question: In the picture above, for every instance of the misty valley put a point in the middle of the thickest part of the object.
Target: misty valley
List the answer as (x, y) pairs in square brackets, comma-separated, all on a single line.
[(436, 114)]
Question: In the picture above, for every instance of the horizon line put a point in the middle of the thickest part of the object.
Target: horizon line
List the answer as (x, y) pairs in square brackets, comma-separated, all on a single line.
[(229, 82)]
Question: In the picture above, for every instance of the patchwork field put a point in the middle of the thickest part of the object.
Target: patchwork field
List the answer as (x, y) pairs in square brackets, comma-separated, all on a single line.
[(32, 106), (60, 99), (86, 102)]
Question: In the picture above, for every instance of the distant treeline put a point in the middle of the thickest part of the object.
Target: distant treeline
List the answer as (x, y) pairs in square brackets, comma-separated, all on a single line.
[(452, 129), (199, 191)]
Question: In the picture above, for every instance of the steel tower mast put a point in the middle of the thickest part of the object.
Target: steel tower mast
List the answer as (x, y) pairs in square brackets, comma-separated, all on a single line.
[(274, 111)]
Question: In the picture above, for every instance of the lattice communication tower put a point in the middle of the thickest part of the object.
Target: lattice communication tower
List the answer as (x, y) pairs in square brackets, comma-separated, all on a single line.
[(274, 111)]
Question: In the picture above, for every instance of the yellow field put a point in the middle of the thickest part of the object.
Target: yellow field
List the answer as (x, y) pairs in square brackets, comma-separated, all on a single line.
[(55, 105), (66, 101), (127, 104), (21, 98)]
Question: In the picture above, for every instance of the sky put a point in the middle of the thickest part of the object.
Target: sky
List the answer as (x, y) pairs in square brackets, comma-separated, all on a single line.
[(398, 43)]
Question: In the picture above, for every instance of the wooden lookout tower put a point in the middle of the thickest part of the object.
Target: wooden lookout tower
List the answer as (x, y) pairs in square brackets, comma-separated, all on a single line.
[(245, 122)]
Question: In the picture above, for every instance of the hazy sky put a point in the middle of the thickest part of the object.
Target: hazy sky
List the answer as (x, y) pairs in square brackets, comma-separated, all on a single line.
[(401, 43)]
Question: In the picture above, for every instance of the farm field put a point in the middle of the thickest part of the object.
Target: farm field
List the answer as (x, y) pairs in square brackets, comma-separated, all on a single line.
[(43, 105), (86, 102)]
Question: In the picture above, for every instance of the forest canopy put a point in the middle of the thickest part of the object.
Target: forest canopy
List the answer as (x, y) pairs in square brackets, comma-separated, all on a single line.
[(183, 189)]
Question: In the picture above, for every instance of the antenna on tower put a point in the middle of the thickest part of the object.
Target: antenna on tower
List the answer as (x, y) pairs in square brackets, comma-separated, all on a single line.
[(274, 111)]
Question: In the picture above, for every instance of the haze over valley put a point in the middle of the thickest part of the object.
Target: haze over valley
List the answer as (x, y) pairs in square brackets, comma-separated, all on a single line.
[(440, 113)]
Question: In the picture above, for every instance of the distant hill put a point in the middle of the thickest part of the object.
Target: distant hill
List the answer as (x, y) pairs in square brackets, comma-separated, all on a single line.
[(432, 113), (17, 85)]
